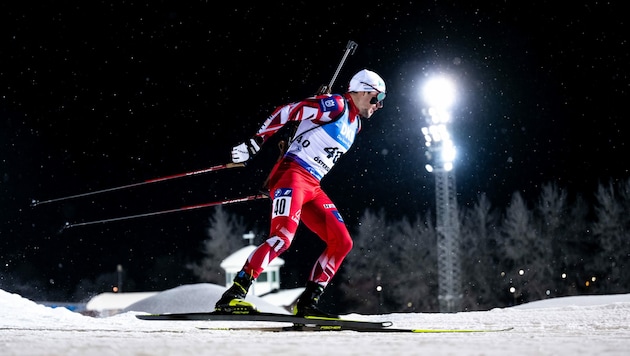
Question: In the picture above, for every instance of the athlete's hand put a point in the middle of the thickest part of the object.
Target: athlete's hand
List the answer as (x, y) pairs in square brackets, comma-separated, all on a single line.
[(244, 151)]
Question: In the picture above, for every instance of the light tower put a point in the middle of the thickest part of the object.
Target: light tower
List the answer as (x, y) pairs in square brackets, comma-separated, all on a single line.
[(439, 95)]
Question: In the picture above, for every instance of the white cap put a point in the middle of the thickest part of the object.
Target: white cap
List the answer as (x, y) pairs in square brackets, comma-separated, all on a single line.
[(366, 80)]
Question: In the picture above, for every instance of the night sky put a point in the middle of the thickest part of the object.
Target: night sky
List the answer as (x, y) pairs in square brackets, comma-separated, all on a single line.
[(95, 95)]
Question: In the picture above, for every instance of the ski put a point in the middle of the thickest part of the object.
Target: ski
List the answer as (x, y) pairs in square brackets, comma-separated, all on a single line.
[(314, 328), (271, 317), (301, 324)]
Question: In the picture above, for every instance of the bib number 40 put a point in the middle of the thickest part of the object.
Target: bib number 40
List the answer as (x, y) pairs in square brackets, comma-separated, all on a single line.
[(281, 206)]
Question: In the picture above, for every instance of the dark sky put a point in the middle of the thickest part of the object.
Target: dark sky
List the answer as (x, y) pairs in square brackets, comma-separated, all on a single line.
[(95, 95)]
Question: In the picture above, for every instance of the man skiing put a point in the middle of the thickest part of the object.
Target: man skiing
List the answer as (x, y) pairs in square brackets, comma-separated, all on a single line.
[(326, 128)]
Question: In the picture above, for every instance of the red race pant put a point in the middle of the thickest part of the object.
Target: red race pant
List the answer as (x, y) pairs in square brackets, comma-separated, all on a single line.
[(298, 196)]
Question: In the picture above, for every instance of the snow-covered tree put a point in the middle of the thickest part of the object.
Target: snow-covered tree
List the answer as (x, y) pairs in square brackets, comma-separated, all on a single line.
[(551, 214), (413, 278), (364, 266), (613, 234), (479, 234), (225, 235), (525, 253), (392, 266), (576, 241)]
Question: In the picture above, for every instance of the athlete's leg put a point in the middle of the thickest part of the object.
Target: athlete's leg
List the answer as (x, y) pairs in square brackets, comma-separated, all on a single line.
[(322, 217), (288, 194), (289, 188)]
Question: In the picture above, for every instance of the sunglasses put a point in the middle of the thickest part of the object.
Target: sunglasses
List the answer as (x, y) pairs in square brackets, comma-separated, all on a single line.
[(378, 98)]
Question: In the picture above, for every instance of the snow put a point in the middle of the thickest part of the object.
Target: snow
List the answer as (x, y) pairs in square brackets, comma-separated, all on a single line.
[(590, 325), (200, 297), (116, 301)]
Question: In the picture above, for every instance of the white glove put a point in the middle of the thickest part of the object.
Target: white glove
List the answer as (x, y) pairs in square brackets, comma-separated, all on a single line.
[(244, 151)]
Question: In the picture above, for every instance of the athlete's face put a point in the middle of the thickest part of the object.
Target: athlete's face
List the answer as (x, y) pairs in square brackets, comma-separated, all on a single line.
[(369, 102)]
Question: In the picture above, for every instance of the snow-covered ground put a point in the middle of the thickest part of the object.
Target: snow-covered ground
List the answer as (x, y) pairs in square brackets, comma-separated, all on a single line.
[(587, 325)]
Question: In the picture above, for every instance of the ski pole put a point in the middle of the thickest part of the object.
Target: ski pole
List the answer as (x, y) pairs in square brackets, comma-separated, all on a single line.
[(350, 48), (185, 208), (155, 180)]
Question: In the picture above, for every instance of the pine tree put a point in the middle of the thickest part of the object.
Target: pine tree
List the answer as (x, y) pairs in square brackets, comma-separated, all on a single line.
[(225, 234), (479, 239), (366, 263), (612, 232), (413, 277), (525, 253), (551, 214)]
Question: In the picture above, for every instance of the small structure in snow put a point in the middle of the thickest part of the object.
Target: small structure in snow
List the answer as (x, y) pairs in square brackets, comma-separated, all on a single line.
[(267, 285), (267, 281)]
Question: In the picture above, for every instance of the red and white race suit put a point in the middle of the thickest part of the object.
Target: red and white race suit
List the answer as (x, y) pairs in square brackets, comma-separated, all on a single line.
[(326, 130)]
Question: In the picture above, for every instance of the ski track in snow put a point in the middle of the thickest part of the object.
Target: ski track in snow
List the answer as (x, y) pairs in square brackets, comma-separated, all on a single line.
[(586, 326)]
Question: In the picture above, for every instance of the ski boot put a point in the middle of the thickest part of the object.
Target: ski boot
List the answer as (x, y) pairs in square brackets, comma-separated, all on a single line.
[(233, 299), (307, 302)]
